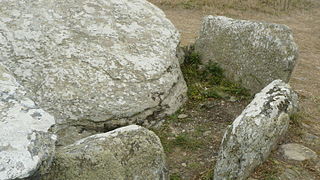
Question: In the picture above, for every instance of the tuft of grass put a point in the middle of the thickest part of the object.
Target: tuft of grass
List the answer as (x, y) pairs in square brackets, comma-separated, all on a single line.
[(173, 117), (187, 142), (208, 174), (296, 124), (234, 89), (191, 57), (175, 177), (213, 73), (296, 119), (208, 81), (184, 141)]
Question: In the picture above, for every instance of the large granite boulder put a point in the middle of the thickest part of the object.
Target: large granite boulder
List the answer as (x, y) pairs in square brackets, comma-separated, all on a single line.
[(25, 143), (252, 135), (130, 152), (103, 63), (251, 53)]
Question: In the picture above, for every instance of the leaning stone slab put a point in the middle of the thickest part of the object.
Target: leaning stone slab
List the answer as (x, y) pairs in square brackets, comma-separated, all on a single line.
[(25, 142), (131, 152), (96, 64), (251, 137), (251, 53)]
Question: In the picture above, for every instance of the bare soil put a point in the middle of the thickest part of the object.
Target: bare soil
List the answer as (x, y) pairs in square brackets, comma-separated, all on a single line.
[(192, 143), (206, 122)]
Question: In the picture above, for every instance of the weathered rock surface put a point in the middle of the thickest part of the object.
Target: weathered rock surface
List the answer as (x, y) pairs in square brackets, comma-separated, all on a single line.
[(93, 63), (297, 152), (131, 152), (251, 53), (25, 142), (251, 137)]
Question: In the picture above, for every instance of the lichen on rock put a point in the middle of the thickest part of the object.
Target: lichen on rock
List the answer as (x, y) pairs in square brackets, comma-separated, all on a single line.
[(25, 140), (251, 137), (130, 152), (251, 53), (99, 63)]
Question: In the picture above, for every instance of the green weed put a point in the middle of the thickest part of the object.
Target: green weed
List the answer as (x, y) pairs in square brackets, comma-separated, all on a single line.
[(296, 119), (208, 81), (175, 177), (186, 142)]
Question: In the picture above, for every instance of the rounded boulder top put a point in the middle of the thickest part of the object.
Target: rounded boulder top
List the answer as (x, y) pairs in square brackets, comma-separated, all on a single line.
[(93, 60)]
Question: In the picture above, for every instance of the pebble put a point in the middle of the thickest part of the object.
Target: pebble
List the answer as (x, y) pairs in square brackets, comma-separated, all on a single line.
[(233, 99), (297, 152), (182, 116), (206, 133), (184, 164)]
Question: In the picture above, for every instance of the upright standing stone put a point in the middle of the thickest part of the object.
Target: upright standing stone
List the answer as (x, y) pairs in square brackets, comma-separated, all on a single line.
[(251, 53)]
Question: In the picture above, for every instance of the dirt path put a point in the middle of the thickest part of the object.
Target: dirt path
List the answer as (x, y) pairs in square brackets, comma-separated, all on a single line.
[(306, 76)]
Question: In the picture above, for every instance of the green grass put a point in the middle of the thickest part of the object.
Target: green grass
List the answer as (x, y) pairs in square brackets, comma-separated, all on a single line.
[(175, 177), (191, 141), (296, 119), (208, 174), (208, 81), (185, 141)]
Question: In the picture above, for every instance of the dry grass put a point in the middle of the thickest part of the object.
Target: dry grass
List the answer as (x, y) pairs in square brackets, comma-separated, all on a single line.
[(267, 6)]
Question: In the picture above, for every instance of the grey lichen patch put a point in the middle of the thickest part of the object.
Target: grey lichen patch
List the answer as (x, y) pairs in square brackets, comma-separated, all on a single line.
[(252, 53), (101, 60), (131, 152), (7, 148), (42, 144), (251, 137), (25, 143)]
